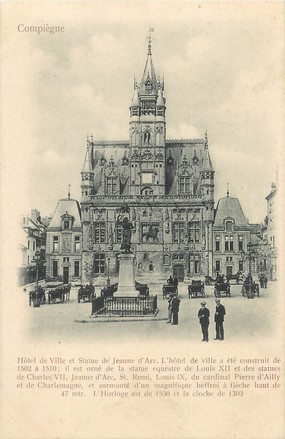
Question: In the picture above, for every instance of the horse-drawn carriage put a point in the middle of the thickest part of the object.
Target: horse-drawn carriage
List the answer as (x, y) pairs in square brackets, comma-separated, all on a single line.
[(59, 293), (238, 277), (37, 297), (196, 288), (169, 289), (250, 289), (142, 289), (222, 289), (109, 291), (86, 294), (209, 280)]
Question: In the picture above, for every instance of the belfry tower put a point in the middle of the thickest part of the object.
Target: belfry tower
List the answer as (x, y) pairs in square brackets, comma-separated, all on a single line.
[(147, 134)]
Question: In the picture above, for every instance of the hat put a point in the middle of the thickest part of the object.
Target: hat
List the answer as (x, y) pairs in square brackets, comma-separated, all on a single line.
[(217, 300), (203, 303)]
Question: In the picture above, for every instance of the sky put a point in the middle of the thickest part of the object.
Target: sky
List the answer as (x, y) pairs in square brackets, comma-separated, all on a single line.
[(223, 64)]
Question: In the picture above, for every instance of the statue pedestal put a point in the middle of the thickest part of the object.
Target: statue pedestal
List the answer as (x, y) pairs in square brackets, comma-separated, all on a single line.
[(126, 286)]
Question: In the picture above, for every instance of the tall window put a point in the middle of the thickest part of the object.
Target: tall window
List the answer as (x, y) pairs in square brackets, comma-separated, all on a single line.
[(178, 232), (66, 224), (55, 244), (77, 243), (112, 185), (99, 263), (184, 185), (100, 232), (229, 243), (54, 268), (240, 265), (194, 231), (119, 234), (76, 268), (218, 266), (240, 243), (217, 244)]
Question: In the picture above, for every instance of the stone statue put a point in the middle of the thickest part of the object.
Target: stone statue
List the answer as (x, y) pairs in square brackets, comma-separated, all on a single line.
[(127, 227)]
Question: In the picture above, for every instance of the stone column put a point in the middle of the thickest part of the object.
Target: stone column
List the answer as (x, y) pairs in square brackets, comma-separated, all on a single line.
[(126, 285)]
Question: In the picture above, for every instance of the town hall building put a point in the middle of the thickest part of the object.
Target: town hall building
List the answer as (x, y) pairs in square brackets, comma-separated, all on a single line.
[(168, 185)]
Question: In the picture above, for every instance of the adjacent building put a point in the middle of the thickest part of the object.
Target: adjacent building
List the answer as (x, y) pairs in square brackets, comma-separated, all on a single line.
[(64, 242), (168, 185), (32, 248)]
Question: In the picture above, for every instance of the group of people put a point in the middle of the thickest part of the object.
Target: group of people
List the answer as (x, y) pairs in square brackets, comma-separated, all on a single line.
[(204, 319), (203, 315)]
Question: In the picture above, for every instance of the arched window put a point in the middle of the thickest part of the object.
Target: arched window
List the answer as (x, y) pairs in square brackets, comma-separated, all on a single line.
[(147, 191)]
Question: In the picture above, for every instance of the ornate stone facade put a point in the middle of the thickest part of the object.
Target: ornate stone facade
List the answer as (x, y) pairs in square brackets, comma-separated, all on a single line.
[(167, 184)]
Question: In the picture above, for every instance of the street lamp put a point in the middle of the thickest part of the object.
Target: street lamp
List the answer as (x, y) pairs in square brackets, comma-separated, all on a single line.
[(36, 260), (250, 255), (108, 271)]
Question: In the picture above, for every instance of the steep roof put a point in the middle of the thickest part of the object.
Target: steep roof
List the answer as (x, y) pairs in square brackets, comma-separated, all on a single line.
[(229, 207), (66, 205)]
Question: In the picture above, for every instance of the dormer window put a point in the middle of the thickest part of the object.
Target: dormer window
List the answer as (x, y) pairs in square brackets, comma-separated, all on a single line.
[(66, 221), (229, 226)]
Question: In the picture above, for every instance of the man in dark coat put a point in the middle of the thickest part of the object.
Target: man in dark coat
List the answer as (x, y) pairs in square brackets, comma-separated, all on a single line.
[(219, 319), (204, 316), (175, 310)]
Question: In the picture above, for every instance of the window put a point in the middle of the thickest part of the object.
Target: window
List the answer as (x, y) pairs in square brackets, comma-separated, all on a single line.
[(146, 192), (77, 243), (100, 232), (178, 232), (218, 266), (28, 244), (226, 243), (229, 226), (119, 234), (76, 268), (150, 267), (99, 263), (240, 265), (166, 260), (112, 185), (240, 243), (184, 185), (54, 268), (34, 245), (217, 244), (66, 224), (229, 243), (65, 259), (194, 231), (55, 244)]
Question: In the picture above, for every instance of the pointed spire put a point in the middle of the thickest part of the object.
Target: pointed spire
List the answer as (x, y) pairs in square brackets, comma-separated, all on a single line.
[(228, 190), (87, 162), (148, 83), (206, 139), (151, 29), (160, 100), (135, 100)]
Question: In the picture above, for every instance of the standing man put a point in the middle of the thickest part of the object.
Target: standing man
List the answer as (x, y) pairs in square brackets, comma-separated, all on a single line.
[(175, 310), (204, 316), (219, 319), (170, 308)]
